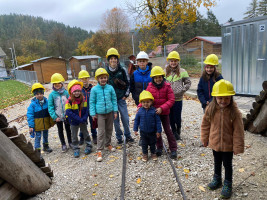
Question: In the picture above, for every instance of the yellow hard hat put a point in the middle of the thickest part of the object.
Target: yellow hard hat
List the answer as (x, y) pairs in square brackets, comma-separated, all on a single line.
[(157, 71), (145, 95), (57, 78), (211, 59), (72, 83), (37, 86), (223, 88), (112, 51), (83, 74), (173, 55), (100, 71)]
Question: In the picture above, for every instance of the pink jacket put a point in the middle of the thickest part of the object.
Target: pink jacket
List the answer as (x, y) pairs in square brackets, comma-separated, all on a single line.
[(163, 97)]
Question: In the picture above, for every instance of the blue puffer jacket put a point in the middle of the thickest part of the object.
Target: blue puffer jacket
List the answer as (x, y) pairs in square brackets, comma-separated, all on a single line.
[(74, 114), (148, 120), (139, 82), (204, 90), (38, 116), (103, 100), (56, 104)]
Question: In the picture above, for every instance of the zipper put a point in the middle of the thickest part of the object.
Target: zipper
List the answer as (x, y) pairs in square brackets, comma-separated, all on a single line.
[(221, 126), (43, 116), (105, 101)]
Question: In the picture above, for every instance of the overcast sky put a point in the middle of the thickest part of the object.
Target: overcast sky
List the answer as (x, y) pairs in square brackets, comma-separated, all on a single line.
[(87, 14)]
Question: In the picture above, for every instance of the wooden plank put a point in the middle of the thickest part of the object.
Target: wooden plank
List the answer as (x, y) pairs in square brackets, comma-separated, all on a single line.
[(8, 192)]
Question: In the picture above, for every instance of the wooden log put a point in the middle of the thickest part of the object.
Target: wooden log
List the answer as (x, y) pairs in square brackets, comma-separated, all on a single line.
[(1, 181), (264, 85), (261, 120), (251, 128), (8, 192), (46, 168), (50, 174), (18, 170), (3, 121), (9, 132)]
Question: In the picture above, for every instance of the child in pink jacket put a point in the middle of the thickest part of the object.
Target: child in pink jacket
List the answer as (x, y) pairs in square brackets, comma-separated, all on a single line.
[(163, 101)]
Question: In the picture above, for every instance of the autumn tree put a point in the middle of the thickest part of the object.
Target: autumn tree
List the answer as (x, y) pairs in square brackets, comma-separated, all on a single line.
[(252, 10), (162, 16)]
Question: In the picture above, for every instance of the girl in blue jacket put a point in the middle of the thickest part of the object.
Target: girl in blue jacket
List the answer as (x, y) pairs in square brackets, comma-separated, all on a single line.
[(103, 108), (77, 114)]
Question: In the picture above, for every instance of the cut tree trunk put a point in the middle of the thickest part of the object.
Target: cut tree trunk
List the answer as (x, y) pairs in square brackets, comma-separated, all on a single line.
[(18, 170), (261, 120)]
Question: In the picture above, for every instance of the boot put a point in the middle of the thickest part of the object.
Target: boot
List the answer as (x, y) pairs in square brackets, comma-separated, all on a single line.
[(76, 153), (178, 134), (173, 155), (159, 152), (215, 183), (47, 148), (227, 190)]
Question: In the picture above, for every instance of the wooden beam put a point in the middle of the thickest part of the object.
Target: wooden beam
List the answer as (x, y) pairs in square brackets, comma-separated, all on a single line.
[(8, 192)]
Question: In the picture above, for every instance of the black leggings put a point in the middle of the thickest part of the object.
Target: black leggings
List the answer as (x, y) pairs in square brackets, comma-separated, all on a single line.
[(61, 134), (224, 158)]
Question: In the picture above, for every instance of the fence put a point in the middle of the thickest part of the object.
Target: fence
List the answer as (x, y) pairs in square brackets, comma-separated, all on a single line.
[(24, 76)]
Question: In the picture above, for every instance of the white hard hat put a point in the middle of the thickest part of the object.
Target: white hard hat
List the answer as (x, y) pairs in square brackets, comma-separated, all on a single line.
[(142, 55)]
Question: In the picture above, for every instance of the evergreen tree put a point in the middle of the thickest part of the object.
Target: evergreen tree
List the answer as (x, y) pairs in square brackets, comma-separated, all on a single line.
[(252, 10), (262, 8)]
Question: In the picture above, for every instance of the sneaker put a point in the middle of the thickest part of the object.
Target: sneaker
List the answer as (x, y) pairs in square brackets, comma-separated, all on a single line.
[(64, 148), (87, 150), (154, 157), (227, 190), (173, 155), (159, 152), (99, 156), (77, 153), (95, 140), (81, 142), (145, 158), (215, 183), (111, 148), (47, 148), (119, 141), (129, 139)]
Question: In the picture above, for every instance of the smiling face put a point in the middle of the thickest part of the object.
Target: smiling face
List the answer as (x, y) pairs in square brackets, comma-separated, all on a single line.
[(102, 79), (77, 93), (173, 63), (223, 102), (142, 63), (158, 79), (85, 82), (58, 86), (113, 61), (39, 96), (209, 69), (146, 103)]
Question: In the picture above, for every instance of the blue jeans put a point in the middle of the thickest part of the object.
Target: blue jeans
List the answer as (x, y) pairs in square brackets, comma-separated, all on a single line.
[(176, 116), (93, 131), (122, 106), (38, 135)]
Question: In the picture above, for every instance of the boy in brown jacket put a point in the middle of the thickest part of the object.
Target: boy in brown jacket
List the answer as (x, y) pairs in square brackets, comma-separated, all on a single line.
[(222, 130)]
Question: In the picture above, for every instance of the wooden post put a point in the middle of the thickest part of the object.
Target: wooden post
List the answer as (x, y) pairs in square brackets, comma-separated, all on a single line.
[(18, 170)]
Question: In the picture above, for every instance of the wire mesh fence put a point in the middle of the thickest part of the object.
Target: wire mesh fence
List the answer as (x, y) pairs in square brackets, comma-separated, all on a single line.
[(27, 77)]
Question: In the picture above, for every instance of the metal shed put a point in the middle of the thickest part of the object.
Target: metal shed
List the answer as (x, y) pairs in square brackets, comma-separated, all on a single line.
[(244, 54)]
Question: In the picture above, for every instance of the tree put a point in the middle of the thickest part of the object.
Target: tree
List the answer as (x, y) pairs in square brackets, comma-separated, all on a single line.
[(262, 8), (231, 19), (252, 10), (162, 16)]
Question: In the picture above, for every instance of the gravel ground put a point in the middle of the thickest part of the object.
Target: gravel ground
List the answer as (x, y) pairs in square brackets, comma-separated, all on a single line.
[(84, 178)]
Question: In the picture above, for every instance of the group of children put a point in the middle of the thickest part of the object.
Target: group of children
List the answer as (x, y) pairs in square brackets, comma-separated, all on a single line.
[(158, 95)]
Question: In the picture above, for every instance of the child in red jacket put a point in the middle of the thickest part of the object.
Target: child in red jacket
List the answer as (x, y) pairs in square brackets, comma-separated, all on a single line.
[(163, 101)]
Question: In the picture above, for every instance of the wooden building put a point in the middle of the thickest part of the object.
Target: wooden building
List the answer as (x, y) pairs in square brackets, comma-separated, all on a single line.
[(210, 45), (28, 67), (88, 63)]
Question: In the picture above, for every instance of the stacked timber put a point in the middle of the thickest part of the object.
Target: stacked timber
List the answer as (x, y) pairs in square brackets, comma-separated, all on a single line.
[(256, 119)]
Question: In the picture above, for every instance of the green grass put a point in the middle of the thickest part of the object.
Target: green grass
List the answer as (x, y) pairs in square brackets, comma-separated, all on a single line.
[(12, 92)]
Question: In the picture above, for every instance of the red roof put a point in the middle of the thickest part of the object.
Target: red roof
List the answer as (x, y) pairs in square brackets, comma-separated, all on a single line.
[(169, 47)]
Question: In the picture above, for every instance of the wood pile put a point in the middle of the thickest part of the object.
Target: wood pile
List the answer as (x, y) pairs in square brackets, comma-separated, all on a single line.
[(23, 169), (256, 119)]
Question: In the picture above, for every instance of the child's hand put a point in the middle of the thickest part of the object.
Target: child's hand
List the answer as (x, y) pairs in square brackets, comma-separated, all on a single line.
[(124, 98), (136, 133), (205, 144), (58, 119), (115, 115), (159, 111), (207, 102), (158, 135), (30, 130), (94, 117)]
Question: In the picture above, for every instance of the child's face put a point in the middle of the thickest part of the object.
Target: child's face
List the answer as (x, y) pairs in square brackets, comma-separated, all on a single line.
[(223, 102), (146, 103), (39, 96), (142, 63), (102, 80), (158, 79), (85, 82), (209, 69), (58, 86), (113, 62), (173, 63), (77, 93)]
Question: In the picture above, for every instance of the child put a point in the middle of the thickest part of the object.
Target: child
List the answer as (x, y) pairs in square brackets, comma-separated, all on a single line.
[(84, 78), (56, 107), (222, 130), (103, 105), (180, 83), (209, 76), (118, 79), (77, 114), (141, 76), (164, 100), (150, 125), (38, 118)]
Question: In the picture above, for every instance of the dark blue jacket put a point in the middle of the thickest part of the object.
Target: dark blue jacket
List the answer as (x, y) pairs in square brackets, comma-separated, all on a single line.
[(204, 90), (86, 93), (139, 82), (147, 120)]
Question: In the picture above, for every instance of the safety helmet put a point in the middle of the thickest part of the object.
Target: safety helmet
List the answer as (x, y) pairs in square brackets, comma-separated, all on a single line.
[(112, 51), (72, 83), (211, 59), (173, 55), (145, 95), (142, 55), (83, 74), (100, 71), (57, 78), (37, 86), (157, 71), (223, 88)]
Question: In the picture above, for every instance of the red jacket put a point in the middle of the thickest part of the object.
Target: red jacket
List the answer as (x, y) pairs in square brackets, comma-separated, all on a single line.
[(163, 97)]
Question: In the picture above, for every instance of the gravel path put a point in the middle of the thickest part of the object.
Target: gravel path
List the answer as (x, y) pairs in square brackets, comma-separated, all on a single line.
[(84, 178)]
